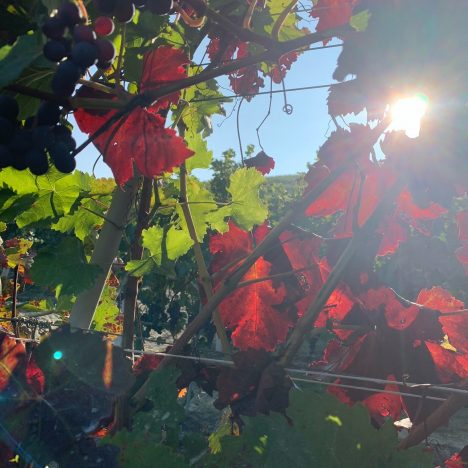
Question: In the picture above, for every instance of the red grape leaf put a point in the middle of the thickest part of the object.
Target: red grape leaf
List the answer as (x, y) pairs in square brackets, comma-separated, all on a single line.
[(454, 326), (140, 137), (449, 364), (245, 81), (398, 316), (278, 70), (332, 13), (160, 67), (346, 98), (11, 354), (250, 312), (230, 247), (35, 377), (462, 221), (262, 162), (393, 234), (384, 405)]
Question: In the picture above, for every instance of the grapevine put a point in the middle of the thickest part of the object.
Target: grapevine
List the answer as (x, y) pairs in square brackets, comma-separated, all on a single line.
[(313, 320)]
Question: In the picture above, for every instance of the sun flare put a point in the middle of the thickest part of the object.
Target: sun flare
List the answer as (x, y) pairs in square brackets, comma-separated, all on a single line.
[(407, 114)]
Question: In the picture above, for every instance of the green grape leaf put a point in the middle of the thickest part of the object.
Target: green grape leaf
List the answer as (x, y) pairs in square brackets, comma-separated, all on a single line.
[(55, 193), (202, 157), (201, 102), (35, 78), (139, 452), (163, 244), (165, 410), (107, 315), (17, 254), (15, 58), (290, 29), (85, 220), (324, 432), (247, 207), (360, 21), (63, 267), (203, 209)]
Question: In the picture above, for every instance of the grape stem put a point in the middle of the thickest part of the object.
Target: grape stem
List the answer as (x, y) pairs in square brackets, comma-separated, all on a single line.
[(203, 274)]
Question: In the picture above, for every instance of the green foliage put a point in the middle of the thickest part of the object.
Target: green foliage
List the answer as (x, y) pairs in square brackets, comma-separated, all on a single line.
[(247, 207), (49, 196), (83, 221), (156, 433), (142, 452), (203, 209), (323, 432), (163, 243), (107, 311), (14, 59), (360, 20), (222, 170), (63, 268)]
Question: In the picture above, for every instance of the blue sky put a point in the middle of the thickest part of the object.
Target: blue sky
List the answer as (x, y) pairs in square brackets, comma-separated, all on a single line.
[(292, 140)]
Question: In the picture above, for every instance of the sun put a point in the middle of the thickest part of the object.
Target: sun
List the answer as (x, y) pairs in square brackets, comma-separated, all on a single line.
[(407, 113)]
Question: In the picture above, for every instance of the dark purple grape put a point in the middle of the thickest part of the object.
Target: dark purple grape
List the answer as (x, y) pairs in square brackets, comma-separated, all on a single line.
[(159, 7), (66, 77), (19, 161), (62, 158), (69, 14), (124, 11), (9, 108), (63, 135), (48, 114), (53, 28), (83, 33), (42, 137), (54, 51), (106, 7), (84, 54), (21, 141), (6, 130), (37, 161), (106, 50), (6, 158), (61, 132)]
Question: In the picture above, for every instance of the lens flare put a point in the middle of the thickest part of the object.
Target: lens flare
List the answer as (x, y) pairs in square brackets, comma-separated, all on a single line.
[(57, 355), (407, 114)]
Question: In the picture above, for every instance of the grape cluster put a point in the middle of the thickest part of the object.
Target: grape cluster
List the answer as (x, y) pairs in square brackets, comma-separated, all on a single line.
[(78, 50), (123, 10), (30, 144)]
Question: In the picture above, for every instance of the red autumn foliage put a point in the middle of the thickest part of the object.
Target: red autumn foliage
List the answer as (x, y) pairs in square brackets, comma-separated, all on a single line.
[(140, 137), (251, 311), (12, 354), (262, 162), (278, 70), (333, 13)]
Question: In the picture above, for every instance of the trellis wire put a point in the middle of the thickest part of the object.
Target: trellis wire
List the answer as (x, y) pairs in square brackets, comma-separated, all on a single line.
[(305, 372), (260, 93), (408, 385), (367, 389), (332, 46)]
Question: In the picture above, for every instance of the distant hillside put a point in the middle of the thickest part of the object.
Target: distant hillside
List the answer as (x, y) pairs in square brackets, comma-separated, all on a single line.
[(287, 182)]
